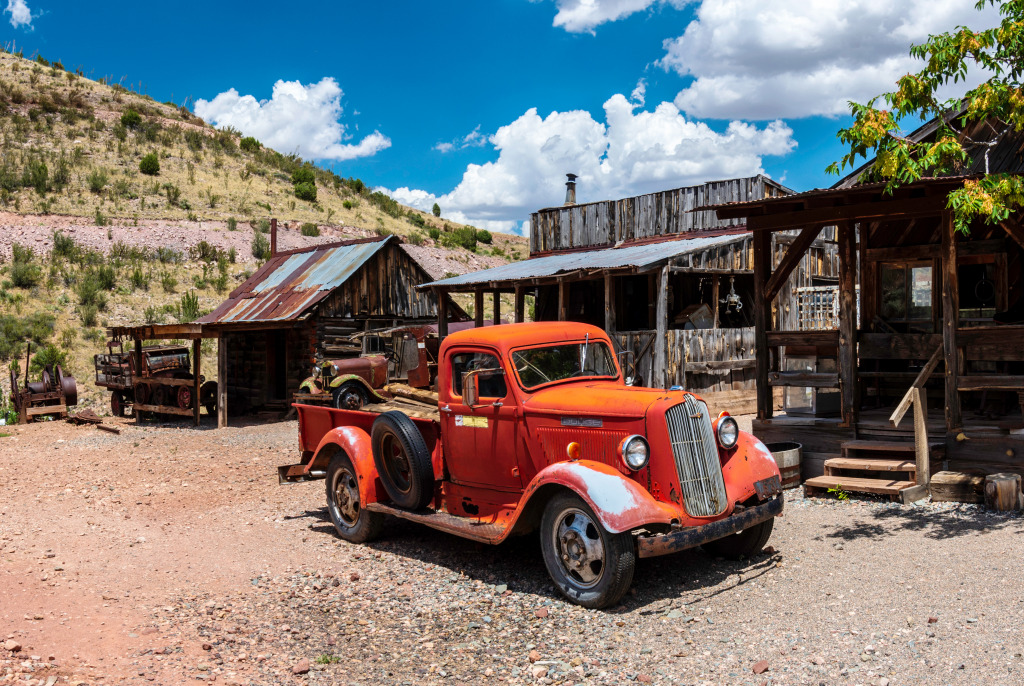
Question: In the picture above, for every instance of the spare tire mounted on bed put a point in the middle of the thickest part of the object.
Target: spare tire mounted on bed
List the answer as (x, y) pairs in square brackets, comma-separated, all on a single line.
[(402, 460)]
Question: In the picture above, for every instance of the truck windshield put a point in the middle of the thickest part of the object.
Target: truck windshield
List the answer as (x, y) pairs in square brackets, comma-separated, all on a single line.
[(538, 366)]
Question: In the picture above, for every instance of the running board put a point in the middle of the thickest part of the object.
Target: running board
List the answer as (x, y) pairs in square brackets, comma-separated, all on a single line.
[(465, 527)]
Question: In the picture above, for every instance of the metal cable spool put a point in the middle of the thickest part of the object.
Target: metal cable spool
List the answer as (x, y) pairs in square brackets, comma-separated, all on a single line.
[(68, 386)]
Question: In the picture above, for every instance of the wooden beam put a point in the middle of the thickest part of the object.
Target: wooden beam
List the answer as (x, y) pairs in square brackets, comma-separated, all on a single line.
[(520, 306), (950, 321), (497, 307), (847, 239), (563, 300), (1015, 231), (442, 313), (478, 307), (609, 303), (661, 332), (222, 382), (922, 451), (714, 301), (709, 270), (825, 338), (791, 259), (888, 209), (919, 382), (196, 368), (902, 253), (762, 323), (805, 379), (719, 366)]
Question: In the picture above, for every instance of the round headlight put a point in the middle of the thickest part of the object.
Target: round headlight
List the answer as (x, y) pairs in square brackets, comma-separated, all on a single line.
[(334, 370), (728, 432), (634, 452), (316, 372)]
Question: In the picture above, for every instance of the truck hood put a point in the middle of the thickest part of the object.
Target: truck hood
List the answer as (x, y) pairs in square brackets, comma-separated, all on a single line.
[(598, 398)]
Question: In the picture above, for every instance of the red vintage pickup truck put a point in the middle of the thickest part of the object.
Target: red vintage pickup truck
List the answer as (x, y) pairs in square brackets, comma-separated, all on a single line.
[(539, 431)]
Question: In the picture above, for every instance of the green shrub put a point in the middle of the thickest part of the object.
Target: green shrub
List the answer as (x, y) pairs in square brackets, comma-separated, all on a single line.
[(348, 204), (263, 225), (65, 247), (415, 238), (88, 314), (173, 194), (90, 292), (436, 210), (189, 311), (14, 331), (150, 164), (139, 279), (168, 282), (131, 119), (484, 236), (310, 229), (204, 252), (250, 144), (167, 255), (101, 219), (434, 233), (51, 356), (417, 219), (304, 174), (232, 224), (305, 191), (194, 140), (25, 273), (106, 277), (120, 132), (260, 246), (232, 255), (36, 176)]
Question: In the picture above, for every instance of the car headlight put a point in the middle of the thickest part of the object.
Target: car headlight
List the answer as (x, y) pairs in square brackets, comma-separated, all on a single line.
[(634, 452), (728, 432), (316, 372)]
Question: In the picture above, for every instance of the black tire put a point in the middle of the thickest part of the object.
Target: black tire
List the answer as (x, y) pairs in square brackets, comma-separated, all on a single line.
[(116, 403), (349, 396), (402, 460), (591, 566), (746, 543), (351, 521)]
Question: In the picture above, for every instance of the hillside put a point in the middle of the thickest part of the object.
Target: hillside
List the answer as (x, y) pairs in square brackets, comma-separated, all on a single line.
[(137, 247)]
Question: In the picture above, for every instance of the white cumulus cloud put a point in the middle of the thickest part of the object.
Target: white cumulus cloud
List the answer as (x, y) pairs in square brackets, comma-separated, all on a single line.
[(583, 15), (473, 139), (631, 151), (21, 15), (296, 118), (765, 59)]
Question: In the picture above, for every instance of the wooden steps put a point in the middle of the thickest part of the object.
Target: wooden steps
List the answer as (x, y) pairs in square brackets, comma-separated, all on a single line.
[(853, 484), (878, 467)]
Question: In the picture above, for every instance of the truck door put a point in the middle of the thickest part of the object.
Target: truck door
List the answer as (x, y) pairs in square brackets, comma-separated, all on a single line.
[(481, 443)]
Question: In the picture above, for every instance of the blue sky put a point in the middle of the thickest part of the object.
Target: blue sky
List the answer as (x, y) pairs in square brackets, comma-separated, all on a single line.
[(483, 105)]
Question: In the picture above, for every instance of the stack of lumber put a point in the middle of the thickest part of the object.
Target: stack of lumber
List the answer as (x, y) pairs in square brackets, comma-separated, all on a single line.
[(414, 402)]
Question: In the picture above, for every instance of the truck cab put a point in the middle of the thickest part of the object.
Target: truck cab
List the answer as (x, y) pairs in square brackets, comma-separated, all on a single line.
[(538, 430)]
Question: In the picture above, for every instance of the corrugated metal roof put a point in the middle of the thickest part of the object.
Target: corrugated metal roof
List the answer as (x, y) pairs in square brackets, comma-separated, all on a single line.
[(639, 257), (290, 283)]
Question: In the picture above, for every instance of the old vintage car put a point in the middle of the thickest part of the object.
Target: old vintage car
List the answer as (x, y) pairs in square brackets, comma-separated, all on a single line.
[(539, 431), (349, 383), (157, 383)]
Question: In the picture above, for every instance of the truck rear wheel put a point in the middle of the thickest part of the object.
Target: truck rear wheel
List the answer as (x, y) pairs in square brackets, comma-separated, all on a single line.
[(590, 565), (402, 460), (748, 542), (116, 404), (351, 521)]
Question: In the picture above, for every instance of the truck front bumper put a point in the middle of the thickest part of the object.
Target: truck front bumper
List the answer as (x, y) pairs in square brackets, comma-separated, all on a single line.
[(691, 537)]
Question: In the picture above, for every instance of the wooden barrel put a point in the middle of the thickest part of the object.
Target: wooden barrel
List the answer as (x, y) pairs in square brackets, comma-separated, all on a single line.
[(787, 456)]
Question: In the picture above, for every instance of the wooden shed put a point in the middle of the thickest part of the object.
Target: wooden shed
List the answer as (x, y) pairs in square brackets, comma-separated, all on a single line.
[(302, 302), (940, 316), (672, 285)]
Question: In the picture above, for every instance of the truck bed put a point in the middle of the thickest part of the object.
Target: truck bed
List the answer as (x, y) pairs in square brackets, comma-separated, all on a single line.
[(316, 421)]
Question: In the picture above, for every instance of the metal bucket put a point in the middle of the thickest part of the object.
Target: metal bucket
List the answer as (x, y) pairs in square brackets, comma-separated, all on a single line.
[(787, 456)]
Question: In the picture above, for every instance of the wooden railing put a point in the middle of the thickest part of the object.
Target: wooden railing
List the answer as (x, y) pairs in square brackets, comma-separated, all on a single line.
[(917, 396)]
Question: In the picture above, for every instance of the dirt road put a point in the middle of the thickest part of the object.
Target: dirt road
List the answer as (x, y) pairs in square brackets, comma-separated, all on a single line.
[(170, 555)]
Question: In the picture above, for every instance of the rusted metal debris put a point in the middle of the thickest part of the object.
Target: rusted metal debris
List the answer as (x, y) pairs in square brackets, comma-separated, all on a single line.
[(51, 396), (89, 417)]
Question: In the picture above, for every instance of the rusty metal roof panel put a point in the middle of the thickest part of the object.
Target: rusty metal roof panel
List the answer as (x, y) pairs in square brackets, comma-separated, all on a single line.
[(640, 257), (289, 284)]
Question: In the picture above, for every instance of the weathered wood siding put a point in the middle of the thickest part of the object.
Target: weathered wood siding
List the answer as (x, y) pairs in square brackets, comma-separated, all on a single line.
[(820, 262), (699, 360), (383, 288), (644, 216)]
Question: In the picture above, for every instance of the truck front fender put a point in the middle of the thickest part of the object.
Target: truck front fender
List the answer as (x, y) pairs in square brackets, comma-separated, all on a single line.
[(356, 444), (745, 466), (346, 378), (619, 503)]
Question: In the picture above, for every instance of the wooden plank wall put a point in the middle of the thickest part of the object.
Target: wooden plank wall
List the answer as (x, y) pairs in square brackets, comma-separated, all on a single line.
[(384, 287), (820, 260), (696, 347), (643, 216)]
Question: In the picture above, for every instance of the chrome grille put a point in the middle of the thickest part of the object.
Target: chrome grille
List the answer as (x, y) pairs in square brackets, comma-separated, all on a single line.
[(696, 454)]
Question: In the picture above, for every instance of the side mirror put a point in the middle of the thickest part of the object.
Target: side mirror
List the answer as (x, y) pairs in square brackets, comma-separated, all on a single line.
[(470, 388)]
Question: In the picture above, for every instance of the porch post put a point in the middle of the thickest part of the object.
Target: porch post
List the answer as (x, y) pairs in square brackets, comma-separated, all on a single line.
[(950, 322), (563, 300), (520, 304), (762, 321), (714, 300), (847, 239), (497, 307), (442, 313), (478, 307), (609, 304), (222, 381), (661, 332), (197, 348)]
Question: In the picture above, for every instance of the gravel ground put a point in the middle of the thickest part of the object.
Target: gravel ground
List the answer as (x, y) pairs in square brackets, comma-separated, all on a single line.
[(170, 555)]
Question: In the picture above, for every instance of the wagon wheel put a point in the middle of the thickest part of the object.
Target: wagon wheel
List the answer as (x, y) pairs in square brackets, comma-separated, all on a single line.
[(159, 396), (184, 398), (143, 393), (116, 404)]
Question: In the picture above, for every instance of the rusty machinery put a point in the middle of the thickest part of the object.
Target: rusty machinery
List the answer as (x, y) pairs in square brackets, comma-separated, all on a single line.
[(51, 396)]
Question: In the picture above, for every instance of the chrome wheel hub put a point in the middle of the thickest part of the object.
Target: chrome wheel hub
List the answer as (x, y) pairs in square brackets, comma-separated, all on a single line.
[(580, 548), (346, 495)]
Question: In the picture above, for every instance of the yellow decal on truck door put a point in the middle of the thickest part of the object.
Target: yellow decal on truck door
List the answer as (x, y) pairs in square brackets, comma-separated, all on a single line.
[(477, 422)]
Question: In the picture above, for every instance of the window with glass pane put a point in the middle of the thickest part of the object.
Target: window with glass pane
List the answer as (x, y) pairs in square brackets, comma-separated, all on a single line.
[(906, 292), (894, 292), (491, 383), (920, 306)]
